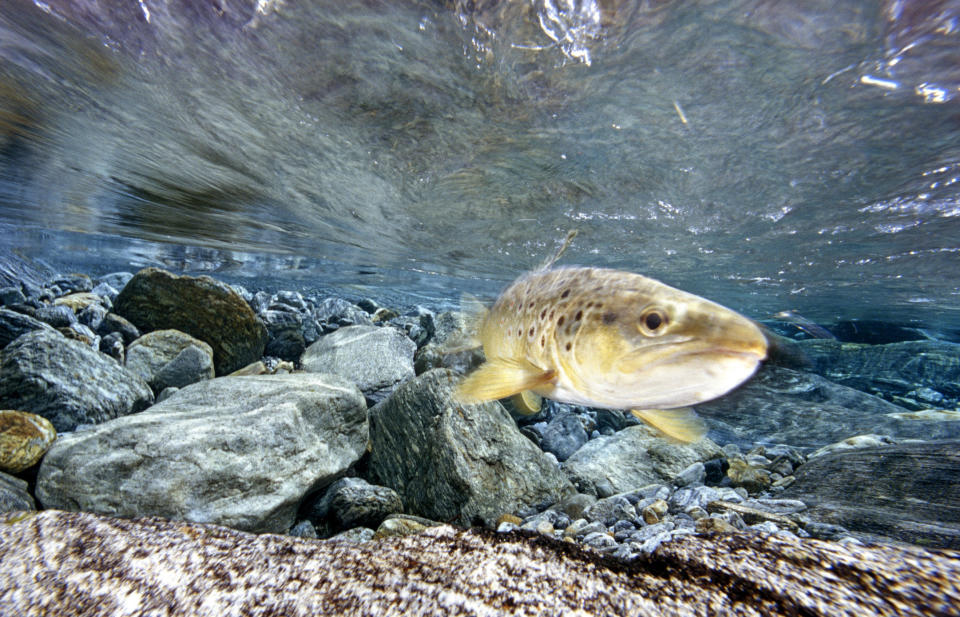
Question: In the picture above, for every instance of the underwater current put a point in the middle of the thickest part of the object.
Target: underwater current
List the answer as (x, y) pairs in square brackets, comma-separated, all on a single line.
[(768, 155)]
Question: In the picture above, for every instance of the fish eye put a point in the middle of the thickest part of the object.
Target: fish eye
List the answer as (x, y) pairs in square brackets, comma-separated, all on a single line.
[(653, 322)]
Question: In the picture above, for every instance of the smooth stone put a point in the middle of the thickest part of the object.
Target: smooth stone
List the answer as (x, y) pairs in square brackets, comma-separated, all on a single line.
[(694, 474), (781, 405), (236, 451), (15, 494), (13, 325), (563, 435), (170, 358), (354, 502), (67, 382), (121, 568), (204, 308), (452, 462), (24, 438), (909, 492), (398, 525), (374, 358), (632, 458), (56, 316)]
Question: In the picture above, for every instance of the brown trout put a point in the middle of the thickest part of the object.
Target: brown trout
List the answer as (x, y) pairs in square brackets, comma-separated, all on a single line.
[(612, 339)]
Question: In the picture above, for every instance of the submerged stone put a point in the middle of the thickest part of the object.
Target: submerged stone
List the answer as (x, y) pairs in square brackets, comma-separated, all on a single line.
[(202, 307), (14, 494), (24, 438), (170, 358)]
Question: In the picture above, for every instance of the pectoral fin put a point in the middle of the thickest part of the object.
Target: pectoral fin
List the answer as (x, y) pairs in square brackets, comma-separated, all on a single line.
[(681, 424), (500, 378), (527, 403)]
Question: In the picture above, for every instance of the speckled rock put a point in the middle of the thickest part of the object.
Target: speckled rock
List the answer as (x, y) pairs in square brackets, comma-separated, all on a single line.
[(451, 462), (200, 306), (14, 494), (238, 451), (170, 358), (632, 458), (14, 324), (79, 564), (24, 438), (353, 502), (67, 382), (374, 358)]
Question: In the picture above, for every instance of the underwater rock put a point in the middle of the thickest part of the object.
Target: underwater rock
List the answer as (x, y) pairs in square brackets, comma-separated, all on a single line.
[(284, 333), (562, 435), (24, 438), (79, 301), (202, 307), (450, 346), (908, 492), (70, 564), (14, 494), (631, 458), (451, 462), (67, 382), (14, 325), (397, 525), (237, 451), (853, 443), (354, 502), (72, 283), (56, 316), (890, 370), (11, 295), (113, 323), (780, 405), (374, 358), (333, 313), (169, 358)]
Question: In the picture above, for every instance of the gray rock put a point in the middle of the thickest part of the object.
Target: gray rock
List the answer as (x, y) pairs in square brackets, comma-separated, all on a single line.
[(305, 529), (694, 474), (601, 541), (67, 382), (107, 292), (285, 333), (609, 510), (72, 283), (112, 322), (14, 494), (112, 345), (11, 295), (698, 496), (354, 502), (357, 535), (14, 325), (854, 443), (454, 462), (563, 435), (450, 347), (117, 280), (376, 359), (200, 306), (123, 568), (786, 406), (235, 451), (333, 313), (92, 316), (170, 358), (632, 458), (58, 316), (908, 492)]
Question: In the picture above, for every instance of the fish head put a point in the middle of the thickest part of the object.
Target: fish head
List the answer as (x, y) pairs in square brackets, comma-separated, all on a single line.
[(660, 347)]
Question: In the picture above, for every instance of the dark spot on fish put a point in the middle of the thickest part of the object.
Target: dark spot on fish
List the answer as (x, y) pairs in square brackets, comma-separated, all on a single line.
[(589, 304), (551, 315), (530, 305), (599, 304), (568, 346), (609, 317), (560, 321), (578, 316), (566, 292), (519, 332), (543, 341), (531, 332), (543, 313)]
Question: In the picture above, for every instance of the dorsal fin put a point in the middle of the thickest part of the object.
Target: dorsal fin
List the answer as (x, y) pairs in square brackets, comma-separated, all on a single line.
[(563, 247)]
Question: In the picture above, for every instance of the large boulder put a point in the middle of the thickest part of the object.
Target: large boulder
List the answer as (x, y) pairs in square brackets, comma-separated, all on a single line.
[(237, 451), (73, 564), (67, 382), (204, 308), (374, 358), (452, 462), (629, 459)]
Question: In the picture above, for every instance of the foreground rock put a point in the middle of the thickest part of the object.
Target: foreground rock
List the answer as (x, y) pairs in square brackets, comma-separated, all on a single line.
[(202, 307), (72, 564), (451, 462), (781, 405), (24, 437), (67, 382), (629, 459), (237, 451), (376, 359), (908, 492)]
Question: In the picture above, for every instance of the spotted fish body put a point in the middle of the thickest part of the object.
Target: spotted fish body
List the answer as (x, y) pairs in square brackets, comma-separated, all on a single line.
[(612, 339)]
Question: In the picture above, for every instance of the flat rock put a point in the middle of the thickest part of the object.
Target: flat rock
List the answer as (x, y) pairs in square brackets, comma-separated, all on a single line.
[(14, 494), (67, 382), (374, 358), (908, 492), (204, 308), (170, 358), (72, 564), (780, 405), (14, 324), (451, 462), (629, 459), (24, 438), (237, 451)]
